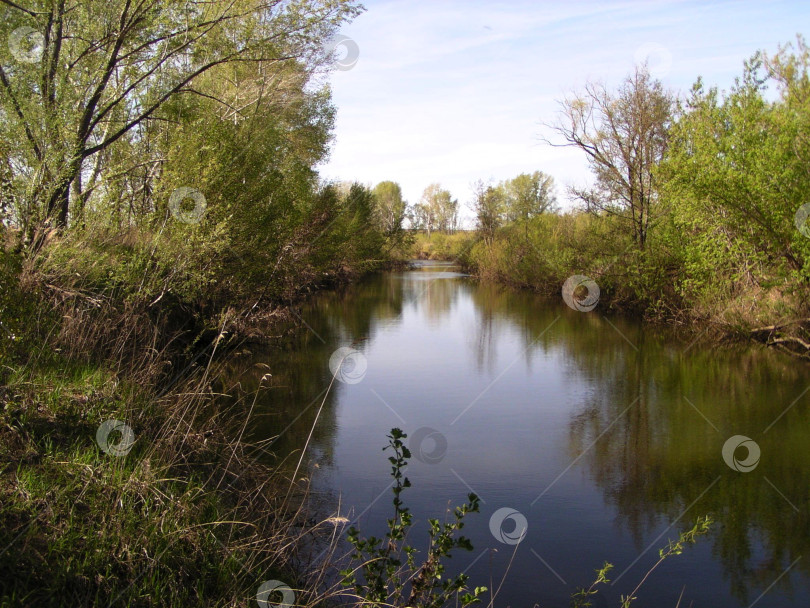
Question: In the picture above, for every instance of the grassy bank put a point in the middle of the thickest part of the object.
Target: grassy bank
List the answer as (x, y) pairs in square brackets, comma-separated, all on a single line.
[(159, 204), (438, 245), (102, 325)]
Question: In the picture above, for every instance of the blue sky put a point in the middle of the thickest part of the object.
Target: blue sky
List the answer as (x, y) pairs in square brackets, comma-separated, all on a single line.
[(451, 91)]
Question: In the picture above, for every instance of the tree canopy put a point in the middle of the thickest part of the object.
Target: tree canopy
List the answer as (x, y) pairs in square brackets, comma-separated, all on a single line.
[(84, 77)]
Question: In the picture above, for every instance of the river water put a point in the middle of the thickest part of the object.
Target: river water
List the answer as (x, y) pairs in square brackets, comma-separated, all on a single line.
[(605, 437)]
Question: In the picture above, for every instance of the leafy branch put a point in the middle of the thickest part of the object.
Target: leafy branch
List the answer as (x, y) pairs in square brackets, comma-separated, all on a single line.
[(388, 579)]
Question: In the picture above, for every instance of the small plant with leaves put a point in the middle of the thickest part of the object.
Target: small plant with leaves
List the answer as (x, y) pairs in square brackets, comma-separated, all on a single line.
[(388, 570), (581, 598)]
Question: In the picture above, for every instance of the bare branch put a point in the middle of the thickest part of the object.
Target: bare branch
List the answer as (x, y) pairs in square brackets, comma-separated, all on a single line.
[(21, 8)]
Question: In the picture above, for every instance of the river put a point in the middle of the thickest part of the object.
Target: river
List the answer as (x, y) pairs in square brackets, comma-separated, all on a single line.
[(604, 436)]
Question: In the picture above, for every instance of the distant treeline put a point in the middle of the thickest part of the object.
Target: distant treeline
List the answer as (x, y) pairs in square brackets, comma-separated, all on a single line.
[(698, 208)]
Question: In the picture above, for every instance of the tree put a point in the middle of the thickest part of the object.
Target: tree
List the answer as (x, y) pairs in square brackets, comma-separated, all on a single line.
[(438, 209), (736, 175), (389, 207), (97, 73), (422, 218), (254, 165), (624, 135), (527, 195), (488, 204)]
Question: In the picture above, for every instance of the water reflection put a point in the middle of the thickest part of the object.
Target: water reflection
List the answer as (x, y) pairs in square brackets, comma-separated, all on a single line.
[(664, 451), (525, 389)]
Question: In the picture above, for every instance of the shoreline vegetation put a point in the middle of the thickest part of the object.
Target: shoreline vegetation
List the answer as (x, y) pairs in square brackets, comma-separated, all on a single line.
[(697, 216), (160, 205), (743, 319)]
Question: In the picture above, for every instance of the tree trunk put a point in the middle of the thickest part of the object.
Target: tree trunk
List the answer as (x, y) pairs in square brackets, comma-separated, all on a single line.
[(58, 203)]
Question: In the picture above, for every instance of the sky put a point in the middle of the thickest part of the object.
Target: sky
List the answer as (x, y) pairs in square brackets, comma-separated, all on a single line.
[(453, 91)]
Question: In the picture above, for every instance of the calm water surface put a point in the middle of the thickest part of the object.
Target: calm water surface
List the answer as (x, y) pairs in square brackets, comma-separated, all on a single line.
[(605, 436)]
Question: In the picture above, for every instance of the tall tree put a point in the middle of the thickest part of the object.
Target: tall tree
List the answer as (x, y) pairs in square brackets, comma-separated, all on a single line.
[(624, 135), (389, 207), (443, 208), (94, 73), (488, 204), (528, 194), (422, 218)]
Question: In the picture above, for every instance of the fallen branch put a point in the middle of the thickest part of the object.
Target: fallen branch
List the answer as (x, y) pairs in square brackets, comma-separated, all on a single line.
[(791, 340), (772, 328), (772, 335)]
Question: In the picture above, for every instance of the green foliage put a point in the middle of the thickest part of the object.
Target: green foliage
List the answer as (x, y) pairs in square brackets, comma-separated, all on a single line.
[(713, 205), (440, 246), (581, 598), (735, 176), (389, 211), (542, 252), (388, 568), (519, 199), (528, 195), (243, 122), (436, 211), (489, 207), (109, 79)]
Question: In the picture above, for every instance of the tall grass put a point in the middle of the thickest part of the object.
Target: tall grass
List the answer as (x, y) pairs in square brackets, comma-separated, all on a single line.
[(441, 246), (192, 515)]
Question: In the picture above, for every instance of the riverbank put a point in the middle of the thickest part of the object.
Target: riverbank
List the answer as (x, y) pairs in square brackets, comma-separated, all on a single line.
[(545, 382), (124, 479), (656, 285), (182, 511)]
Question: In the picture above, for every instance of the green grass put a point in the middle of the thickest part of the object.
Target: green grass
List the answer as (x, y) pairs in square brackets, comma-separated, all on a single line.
[(182, 519), (96, 324)]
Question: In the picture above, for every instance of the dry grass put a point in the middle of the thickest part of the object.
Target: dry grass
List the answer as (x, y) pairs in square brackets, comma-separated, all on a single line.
[(193, 515)]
